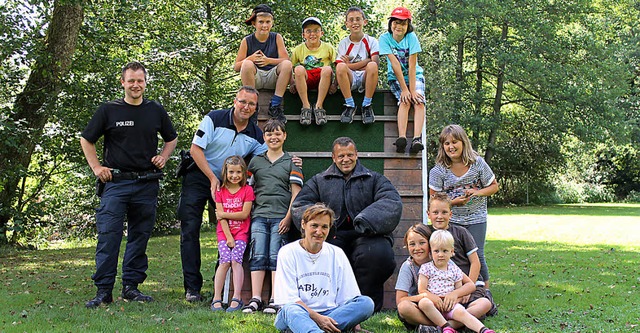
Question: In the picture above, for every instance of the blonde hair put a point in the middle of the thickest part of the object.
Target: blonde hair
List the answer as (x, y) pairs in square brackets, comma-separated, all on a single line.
[(441, 238), (458, 133), (234, 160), (319, 209), (439, 196)]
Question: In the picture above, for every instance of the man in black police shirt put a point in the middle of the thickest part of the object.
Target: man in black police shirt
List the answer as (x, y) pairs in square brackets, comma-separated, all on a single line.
[(130, 174)]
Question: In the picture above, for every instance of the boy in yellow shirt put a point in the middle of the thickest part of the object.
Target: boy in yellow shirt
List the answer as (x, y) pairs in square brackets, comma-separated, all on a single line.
[(312, 62)]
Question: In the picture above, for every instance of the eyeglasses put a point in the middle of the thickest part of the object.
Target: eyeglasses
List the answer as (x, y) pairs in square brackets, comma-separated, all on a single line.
[(244, 102), (312, 31)]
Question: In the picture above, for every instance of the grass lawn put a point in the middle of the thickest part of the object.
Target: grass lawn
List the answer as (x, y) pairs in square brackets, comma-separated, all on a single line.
[(566, 268)]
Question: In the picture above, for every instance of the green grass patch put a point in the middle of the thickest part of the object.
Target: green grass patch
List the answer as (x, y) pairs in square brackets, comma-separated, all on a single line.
[(554, 269)]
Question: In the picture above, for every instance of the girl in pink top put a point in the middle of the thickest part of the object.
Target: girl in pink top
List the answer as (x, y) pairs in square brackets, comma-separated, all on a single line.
[(233, 209)]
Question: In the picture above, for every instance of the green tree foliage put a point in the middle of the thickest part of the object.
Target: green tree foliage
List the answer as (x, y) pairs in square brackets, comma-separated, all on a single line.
[(523, 77)]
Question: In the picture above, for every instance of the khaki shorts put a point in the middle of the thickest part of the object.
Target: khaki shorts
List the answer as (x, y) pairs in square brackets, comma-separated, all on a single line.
[(266, 79)]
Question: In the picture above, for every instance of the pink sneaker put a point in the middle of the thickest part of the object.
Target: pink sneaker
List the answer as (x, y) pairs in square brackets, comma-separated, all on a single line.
[(489, 331), (449, 329)]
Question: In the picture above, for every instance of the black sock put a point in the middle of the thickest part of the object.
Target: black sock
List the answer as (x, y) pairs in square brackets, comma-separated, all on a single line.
[(484, 328)]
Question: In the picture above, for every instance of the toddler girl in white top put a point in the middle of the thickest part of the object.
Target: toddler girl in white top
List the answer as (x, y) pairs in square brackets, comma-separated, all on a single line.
[(439, 279)]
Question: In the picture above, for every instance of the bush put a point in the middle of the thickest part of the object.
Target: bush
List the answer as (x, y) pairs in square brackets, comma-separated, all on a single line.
[(633, 196)]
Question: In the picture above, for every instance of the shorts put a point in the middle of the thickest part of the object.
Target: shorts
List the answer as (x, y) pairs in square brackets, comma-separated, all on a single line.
[(394, 86), (480, 292), (266, 79), (231, 254), (449, 315), (358, 81), (407, 325), (313, 78)]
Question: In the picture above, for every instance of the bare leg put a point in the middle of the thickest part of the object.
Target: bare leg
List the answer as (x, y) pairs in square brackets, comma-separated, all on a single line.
[(300, 77), (218, 281), (403, 119), (284, 76), (418, 119), (257, 281), (248, 72), (412, 314), (323, 86), (429, 309), (460, 314), (370, 79), (238, 279), (344, 78)]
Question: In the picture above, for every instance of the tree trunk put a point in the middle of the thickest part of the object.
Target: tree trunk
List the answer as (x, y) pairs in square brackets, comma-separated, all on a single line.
[(497, 102), (478, 96), (41, 89)]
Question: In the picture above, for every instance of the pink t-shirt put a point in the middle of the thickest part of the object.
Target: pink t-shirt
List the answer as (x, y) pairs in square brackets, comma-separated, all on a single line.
[(232, 203)]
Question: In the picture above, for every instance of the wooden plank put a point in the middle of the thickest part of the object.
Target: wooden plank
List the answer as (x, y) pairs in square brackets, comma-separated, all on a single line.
[(325, 154), (403, 164), (404, 177)]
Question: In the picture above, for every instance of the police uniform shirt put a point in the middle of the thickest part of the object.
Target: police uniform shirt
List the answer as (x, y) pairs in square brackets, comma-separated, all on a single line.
[(130, 133)]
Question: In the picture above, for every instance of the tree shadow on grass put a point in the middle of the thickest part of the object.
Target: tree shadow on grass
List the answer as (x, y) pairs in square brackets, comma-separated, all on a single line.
[(553, 287), (574, 209)]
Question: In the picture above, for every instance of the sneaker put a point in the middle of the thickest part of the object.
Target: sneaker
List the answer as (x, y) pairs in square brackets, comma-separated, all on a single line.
[(321, 116), (367, 115), (401, 144), (193, 296), (347, 114), (133, 294), (103, 296), (416, 145), (277, 112), (305, 116), (427, 329)]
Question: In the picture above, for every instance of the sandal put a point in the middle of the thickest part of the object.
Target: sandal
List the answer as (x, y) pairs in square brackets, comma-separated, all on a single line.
[(272, 308), (305, 116), (321, 116), (254, 305), (235, 308), (214, 309)]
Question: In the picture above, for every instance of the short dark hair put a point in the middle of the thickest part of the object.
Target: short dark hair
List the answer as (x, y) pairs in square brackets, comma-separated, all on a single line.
[(134, 66), (249, 89), (343, 141), (391, 19), (355, 9), (274, 125)]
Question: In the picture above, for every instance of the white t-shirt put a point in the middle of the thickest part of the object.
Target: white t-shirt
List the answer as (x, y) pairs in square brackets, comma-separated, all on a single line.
[(323, 285), (358, 51)]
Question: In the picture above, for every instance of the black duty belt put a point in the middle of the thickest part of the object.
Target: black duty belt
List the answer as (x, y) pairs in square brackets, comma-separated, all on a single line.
[(136, 175)]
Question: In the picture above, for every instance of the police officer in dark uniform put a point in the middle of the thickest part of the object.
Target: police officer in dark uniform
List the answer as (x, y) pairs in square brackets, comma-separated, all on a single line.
[(128, 180)]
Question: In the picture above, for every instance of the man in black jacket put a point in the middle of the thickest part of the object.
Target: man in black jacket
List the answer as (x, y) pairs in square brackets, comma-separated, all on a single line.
[(368, 208)]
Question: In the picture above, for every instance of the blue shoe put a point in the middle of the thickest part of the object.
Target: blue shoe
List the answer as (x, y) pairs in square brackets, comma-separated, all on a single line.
[(235, 308), (214, 309)]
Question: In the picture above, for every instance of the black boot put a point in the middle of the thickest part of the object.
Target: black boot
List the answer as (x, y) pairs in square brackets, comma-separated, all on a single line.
[(133, 294), (102, 296)]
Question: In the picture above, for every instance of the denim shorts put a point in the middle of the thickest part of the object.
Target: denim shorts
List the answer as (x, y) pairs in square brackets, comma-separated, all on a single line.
[(394, 86), (265, 243)]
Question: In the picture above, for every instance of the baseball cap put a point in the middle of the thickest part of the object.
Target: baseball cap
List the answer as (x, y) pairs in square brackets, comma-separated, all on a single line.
[(257, 10), (400, 13), (310, 20)]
